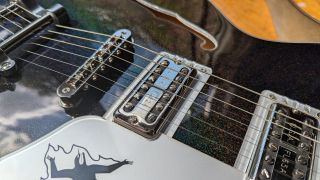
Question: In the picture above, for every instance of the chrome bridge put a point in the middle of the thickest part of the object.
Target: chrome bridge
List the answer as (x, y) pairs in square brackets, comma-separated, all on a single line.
[(160, 96), (282, 141), (91, 77)]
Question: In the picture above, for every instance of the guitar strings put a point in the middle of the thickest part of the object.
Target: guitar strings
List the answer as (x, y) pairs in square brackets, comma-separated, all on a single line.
[(216, 127), (253, 114), (119, 98), (170, 121), (248, 89), (318, 129), (151, 61)]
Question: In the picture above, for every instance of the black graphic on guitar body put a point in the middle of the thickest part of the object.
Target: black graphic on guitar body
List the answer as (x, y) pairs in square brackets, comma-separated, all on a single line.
[(80, 171)]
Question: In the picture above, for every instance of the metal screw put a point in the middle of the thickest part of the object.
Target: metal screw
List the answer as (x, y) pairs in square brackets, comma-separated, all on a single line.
[(102, 68), (66, 90), (94, 77), (299, 174), (110, 59), (269, 159), (184, 71), (118, 52), (137, 96), (272, 97), (304, 146), (165, 63), (272, 147), (166, 96), (152, 78), (265, 173), (158, 70), (318, 115), (151, 118), (159, 107), (144, 87), (172, 87), (302, 160), (128, 107)]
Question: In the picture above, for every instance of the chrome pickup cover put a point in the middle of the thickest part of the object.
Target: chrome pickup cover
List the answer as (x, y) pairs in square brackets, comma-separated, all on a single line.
[(159, 93), (281, 147)]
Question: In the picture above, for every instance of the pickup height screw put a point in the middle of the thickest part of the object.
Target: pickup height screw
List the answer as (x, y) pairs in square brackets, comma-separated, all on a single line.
[(118, 52), (137, 96), (94, 77), (178, 79), (110, 59)]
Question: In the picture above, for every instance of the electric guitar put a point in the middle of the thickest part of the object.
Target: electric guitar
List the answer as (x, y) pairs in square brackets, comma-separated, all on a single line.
[(130, 90)]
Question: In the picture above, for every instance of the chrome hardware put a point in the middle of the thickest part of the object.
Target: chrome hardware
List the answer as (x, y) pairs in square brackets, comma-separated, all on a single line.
[(7, 67), (284, 145), (154, 96), (94, 71)]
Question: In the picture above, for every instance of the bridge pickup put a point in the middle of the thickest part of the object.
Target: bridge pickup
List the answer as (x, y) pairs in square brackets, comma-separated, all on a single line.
[(157, 96), (285, 146), (99, 72)]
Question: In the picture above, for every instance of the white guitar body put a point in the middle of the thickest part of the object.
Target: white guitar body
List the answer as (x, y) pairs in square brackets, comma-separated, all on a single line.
[(164, 158)]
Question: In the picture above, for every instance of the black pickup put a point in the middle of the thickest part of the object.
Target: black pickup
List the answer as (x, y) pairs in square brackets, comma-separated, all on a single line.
[(98, 73)]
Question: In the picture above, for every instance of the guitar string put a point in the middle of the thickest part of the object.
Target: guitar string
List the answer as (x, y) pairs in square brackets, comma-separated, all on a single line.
[(213, 142), (231, 133), (318, 129), (12, 11), (253, 114), (257, 104)]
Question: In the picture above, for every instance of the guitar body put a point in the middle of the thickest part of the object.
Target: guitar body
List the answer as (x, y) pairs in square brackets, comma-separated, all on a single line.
[(30, 108)]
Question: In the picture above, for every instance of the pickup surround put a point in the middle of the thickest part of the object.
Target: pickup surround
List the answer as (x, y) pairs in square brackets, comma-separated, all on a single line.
[(159, 95), (281, 140)]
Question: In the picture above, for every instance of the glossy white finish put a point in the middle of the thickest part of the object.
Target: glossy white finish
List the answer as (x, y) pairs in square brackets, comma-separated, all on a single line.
[(164, 158)]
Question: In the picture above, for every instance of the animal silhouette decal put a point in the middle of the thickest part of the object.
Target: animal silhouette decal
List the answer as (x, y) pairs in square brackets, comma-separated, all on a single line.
[(77, 163)]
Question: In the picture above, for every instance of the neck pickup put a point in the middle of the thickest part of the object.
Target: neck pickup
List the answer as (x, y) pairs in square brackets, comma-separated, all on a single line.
[(99, 72)]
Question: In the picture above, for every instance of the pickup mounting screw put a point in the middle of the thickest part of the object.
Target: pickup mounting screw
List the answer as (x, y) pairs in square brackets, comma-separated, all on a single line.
[(65, 90), (272, 97), (7, 67), (151, 118), (110, 59), (118, 52), (165, 63)]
